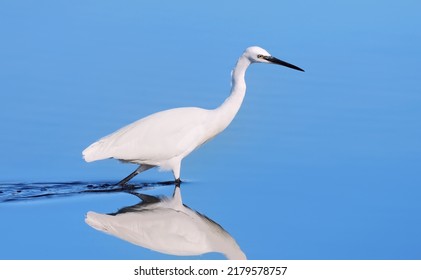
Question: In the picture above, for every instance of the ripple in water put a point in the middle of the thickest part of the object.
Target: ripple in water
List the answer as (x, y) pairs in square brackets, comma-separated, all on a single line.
[(10, 192)]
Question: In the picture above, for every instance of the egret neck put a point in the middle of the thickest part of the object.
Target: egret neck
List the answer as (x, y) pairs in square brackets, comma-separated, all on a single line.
[(227, 111)]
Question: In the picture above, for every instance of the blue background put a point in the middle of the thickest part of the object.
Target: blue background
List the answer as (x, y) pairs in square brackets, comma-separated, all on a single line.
[(317, 165)]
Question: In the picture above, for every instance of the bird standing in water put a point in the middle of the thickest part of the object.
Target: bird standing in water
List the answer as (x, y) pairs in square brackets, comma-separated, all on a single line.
[(163, 139)]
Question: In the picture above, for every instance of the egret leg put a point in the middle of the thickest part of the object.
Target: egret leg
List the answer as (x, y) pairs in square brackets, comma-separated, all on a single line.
[(128, 178), (134, 173), (176, 171)]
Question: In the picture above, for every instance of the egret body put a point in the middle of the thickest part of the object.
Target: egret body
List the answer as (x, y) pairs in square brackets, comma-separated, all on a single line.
[(163, 139)]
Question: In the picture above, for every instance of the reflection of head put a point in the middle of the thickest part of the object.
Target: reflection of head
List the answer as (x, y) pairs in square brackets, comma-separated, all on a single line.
[(166, 225)]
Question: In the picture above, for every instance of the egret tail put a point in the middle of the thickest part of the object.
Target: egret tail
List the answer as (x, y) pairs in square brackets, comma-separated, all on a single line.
[(94, 152)]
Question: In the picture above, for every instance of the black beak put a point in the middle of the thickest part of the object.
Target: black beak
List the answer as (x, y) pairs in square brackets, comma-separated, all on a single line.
[(281, 62)]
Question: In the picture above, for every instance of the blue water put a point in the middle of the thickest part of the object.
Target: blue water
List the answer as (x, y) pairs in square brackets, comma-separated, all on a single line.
[(316, 165)]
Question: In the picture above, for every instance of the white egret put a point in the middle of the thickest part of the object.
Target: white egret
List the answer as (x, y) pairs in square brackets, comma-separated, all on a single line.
[(163, 139), (166, 225)]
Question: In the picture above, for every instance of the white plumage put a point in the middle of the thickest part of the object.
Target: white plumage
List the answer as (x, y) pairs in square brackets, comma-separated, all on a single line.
[(156, 140), (163, 139)]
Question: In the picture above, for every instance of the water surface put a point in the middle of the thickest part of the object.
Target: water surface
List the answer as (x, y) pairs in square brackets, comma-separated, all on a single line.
[(316, 165)]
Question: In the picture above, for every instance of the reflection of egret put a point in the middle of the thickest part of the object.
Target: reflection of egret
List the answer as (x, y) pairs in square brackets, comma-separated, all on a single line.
[(163, 139), (168, 226)]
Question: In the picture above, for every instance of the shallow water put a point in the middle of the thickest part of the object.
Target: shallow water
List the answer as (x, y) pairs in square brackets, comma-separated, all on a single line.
[(317, 165), (15, 192)]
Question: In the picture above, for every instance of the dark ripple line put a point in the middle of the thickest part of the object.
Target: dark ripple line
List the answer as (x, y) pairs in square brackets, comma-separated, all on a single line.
[(13, 192)]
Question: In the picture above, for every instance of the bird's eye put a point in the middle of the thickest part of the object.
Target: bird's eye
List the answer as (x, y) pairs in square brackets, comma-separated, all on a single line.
[(259, 56)]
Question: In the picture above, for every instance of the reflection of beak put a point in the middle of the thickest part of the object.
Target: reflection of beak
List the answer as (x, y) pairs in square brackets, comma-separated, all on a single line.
[(281, 62)]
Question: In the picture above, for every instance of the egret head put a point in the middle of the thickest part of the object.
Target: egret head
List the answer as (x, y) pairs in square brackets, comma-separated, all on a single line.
[(258, 55)]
